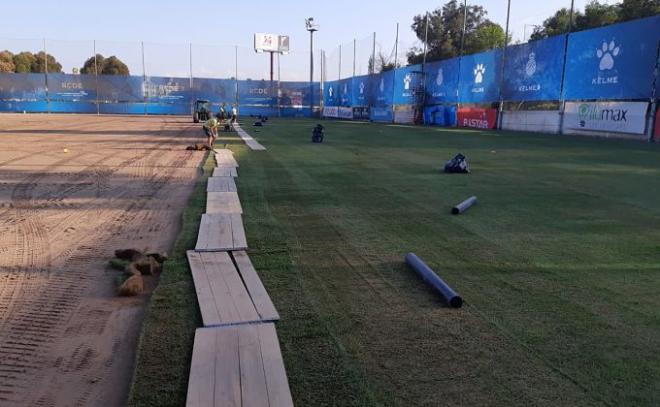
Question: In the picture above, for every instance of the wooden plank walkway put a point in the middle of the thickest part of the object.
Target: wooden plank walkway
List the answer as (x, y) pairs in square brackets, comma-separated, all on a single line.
[(223, 298), (258, 294), (238, 366), (225, 172), (221, 184), (221, 232), (226, 294), (223, 202), (249, 141)]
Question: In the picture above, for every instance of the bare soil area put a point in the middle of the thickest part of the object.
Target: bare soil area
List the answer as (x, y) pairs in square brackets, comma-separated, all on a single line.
[(73, 188)]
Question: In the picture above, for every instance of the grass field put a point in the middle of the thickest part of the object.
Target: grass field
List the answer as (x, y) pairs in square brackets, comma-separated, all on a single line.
[(559, 265)]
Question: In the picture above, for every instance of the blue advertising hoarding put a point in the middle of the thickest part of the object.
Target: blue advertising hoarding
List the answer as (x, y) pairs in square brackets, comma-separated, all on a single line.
[(257, 93), (166, 90), (532, 71), (214, 90), (613, 62), (380, 89), (118, 88), (360, 91), (331, 93), (480, 77), (406, 80), (345, 92), (72, 88), (442, 81), (297, 94), (22, 86)]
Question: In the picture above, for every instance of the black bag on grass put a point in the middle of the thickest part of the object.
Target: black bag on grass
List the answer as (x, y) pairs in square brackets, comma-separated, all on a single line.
[(457, 165)]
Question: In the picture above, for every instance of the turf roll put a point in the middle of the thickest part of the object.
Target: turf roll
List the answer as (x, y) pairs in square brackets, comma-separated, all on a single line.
[(429, 276), (463, 206)]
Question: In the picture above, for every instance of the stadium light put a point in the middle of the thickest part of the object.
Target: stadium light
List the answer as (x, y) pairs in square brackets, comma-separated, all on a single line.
[(311, 27)]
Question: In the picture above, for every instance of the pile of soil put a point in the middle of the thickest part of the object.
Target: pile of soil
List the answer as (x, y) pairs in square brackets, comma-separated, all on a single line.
[(198, 147), (136, 264)]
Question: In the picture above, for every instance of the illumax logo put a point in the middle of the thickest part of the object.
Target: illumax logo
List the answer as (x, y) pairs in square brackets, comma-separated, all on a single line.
[(588, 112)]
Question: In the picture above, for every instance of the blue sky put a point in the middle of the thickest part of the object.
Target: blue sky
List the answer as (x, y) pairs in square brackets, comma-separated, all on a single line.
[(168, 26)]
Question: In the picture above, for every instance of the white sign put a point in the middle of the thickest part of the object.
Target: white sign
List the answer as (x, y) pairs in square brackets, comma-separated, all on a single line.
[(330, 111), (620, 117), (345, 113), (264, 42)]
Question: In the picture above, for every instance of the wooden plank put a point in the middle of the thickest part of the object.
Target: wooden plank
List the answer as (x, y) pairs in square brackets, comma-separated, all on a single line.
[(253, 381), (227, 368), (221, 184), (201, 382), (238, 232), (220, 232), (279, 394), (205, 298), (223, 202), (255, 287), (225, 172), (225, 161), (222, 296)]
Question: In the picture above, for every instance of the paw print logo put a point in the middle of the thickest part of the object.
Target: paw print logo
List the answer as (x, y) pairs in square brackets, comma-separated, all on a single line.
[(406, 81), (440, 78), (606, 53), (479, 72), (530, 67)]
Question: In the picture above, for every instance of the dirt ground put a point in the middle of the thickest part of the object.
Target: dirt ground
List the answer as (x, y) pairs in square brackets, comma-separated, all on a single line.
[(73, 188)]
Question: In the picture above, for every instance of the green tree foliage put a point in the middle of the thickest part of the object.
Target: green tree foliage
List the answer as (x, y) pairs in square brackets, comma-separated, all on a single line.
[(445, 31), (40, 62), (106, 66), (596, 14), (23, 62), (7, 62)]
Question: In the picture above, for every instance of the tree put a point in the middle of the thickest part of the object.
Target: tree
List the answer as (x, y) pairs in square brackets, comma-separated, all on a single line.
[(631, 9), (487, 36), (114, 66), (106, 66), (23, 62), (7, 62), (596, 14), (382, 64), (39, 63), (446, 29), (90, 65)]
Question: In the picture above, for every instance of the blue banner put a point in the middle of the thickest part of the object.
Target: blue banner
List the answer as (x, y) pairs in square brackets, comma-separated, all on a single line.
[(22, 86), (257, 93), (72, 88), (480, 77), (167, 90), (613, 62), (407, 81), (532, 71), (360, 91), (297, 94), (330, 93), (119, 88), (345, 92), (442, 81), (214, 90), (380, 88)]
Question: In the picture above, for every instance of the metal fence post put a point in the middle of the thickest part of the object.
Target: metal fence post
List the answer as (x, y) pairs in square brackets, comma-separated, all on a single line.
[(354, 54), (562, 100), (46, 77), (500, 112), (144, 80), (396, 56), (192, 91), (339, 78), (236, 98), (96, 78)]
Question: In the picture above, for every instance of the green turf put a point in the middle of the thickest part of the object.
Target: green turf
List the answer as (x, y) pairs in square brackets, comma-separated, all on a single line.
[(559, 265), (168, 330)]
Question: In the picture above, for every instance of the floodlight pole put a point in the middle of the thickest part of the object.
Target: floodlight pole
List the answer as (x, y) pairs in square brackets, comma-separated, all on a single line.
[(311, 27), (96, 79), (500, 112)]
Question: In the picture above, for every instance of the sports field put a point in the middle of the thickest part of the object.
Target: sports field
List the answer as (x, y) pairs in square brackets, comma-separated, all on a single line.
[(559, 265)]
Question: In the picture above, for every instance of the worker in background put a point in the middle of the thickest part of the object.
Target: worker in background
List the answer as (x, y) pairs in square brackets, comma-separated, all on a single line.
[(234, 114)]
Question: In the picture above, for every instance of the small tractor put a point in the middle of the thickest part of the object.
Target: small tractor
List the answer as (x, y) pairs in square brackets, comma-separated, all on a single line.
[(201, 111)]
